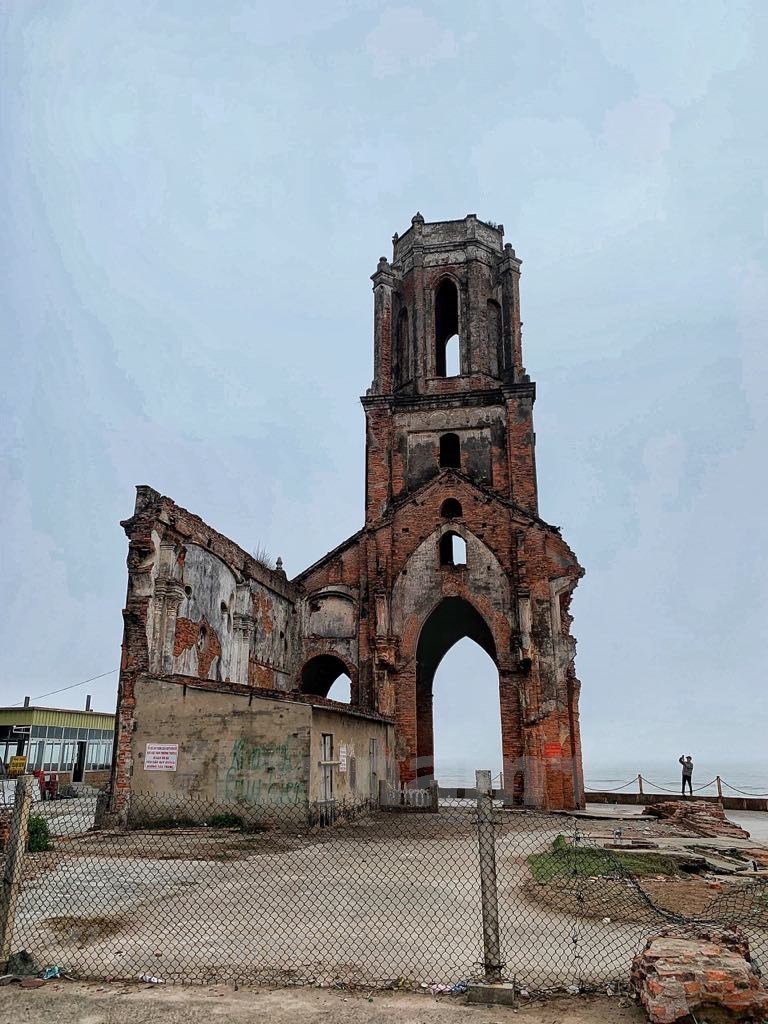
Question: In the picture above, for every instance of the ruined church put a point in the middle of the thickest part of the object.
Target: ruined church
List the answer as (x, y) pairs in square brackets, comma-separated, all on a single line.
[(227, 663)]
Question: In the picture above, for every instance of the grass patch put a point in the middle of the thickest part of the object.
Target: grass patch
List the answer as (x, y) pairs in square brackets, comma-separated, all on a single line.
[(566, 861), (38, 834)]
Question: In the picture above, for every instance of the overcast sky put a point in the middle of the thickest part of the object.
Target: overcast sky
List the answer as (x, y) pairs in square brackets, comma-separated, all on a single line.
[(194, 196)]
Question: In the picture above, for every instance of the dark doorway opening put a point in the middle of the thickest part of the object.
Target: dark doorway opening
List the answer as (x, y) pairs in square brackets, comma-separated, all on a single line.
[(322, 676), (79, 768)]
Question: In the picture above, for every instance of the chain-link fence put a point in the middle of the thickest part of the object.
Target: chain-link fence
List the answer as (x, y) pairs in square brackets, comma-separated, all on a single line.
[(397, 897)]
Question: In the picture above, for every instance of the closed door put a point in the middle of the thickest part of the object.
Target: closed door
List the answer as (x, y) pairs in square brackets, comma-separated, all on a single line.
[(326, 757)]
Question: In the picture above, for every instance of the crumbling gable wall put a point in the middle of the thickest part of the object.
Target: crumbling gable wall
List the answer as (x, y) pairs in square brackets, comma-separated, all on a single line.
[(198, 607)]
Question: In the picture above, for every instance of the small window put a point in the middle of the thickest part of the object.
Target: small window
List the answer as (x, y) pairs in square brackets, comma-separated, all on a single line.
[(450, 451), (453, 549), (450, 509)]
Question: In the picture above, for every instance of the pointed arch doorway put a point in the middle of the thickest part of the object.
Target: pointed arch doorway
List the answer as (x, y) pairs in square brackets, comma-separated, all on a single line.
[(450, 621)]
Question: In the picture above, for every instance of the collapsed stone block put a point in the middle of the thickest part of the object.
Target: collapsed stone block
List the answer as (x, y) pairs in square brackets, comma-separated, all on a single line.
[(685, 969)]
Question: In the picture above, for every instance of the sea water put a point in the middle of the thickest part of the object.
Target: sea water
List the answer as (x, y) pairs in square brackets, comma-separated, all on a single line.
[(659, 776)]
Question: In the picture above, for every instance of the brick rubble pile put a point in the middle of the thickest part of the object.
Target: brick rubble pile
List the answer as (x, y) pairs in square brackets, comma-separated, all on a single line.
[(698, 968)]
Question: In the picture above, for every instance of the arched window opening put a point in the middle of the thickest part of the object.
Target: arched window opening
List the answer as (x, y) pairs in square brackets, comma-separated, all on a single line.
[(453, 549), (450, 451), (447, 328), (450, 509), (322, 676)]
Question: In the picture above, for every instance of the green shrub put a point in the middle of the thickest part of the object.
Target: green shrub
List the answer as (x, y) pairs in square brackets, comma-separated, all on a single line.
[(38, 835), (225, 820)]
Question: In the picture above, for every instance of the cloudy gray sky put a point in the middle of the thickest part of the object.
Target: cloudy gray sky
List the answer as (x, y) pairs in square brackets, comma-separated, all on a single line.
[(194, 196)]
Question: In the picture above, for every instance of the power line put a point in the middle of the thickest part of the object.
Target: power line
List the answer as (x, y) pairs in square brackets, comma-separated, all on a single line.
[(72, 686)]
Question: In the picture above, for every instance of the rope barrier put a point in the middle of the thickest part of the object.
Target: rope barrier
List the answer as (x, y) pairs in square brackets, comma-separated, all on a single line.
[(595, 787), (706, 784), (741, 792), (663, 789), (616, 790)]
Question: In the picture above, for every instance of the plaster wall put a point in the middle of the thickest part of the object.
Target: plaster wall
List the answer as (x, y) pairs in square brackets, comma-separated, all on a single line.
[(233, 749), (357, 774)]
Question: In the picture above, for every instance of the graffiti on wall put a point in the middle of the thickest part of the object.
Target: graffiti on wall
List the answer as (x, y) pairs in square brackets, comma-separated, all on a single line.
[(266, 773)]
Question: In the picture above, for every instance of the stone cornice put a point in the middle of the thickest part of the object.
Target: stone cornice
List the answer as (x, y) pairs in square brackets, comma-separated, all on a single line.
[(451, 400)]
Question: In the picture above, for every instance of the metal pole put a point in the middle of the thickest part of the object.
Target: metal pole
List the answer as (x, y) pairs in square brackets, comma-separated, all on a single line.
[(434, 796), (489, 897), (14, 860), (640, 783)]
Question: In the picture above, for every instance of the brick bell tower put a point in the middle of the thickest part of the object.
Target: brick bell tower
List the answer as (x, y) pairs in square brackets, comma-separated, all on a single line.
[(453, 544)]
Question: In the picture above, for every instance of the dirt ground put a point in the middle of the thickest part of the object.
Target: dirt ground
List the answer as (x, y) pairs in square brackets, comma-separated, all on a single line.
[(387, 898), (141, 1004)]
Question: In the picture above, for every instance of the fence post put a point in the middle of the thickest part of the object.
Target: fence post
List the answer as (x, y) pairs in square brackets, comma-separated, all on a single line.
[(488, 895), (719, 789), (640, 783), (14, 859), (434, 796)]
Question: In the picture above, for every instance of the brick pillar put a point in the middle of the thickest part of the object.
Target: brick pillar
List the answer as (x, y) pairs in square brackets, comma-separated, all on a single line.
[(383, 286), (423, 345), (378, 452), (406, 716), (510, 308), (425, 753), (511, 737), (520, 448)]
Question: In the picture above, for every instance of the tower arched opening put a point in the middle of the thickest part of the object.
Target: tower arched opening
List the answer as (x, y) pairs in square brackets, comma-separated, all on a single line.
[(447, 329), (452, 620)]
